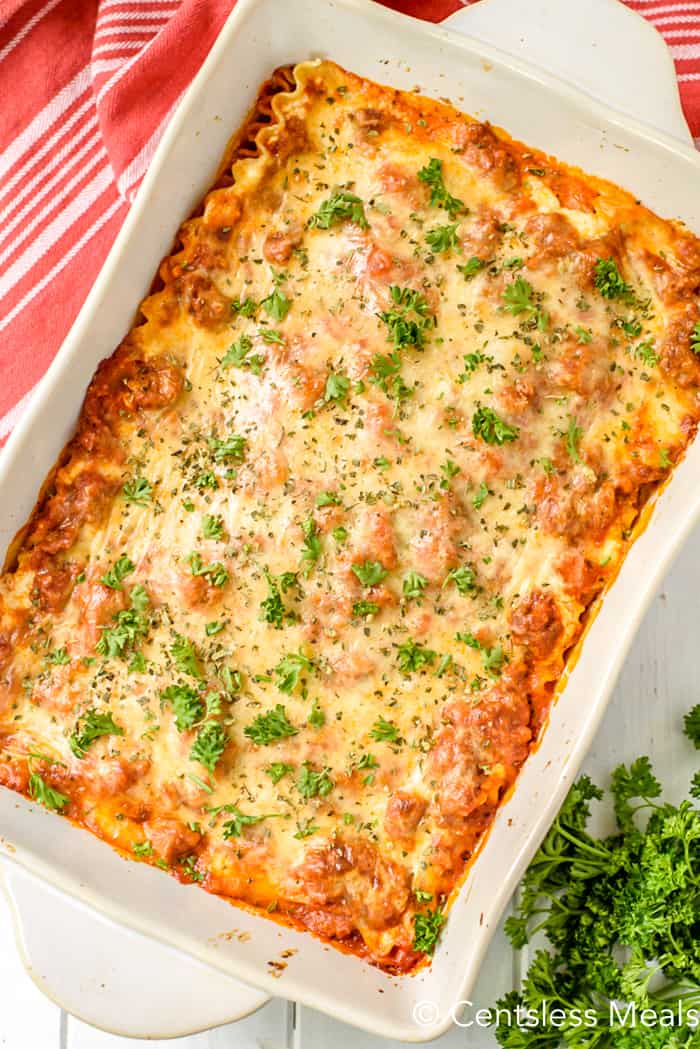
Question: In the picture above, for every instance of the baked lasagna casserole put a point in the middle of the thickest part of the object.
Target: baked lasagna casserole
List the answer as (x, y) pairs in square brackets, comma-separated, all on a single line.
[(293, 607)]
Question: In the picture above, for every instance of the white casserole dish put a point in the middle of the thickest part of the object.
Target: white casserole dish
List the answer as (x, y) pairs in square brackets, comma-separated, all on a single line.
[(541, 111)]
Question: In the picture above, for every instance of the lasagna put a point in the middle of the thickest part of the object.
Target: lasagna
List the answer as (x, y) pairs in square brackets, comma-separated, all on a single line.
[(293, 607)]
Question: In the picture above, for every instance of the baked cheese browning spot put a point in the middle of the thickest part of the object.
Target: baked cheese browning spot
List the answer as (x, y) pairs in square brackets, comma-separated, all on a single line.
[(294, 608)]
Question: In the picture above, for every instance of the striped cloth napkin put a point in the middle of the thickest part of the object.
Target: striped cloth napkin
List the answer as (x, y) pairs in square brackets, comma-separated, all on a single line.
[(88, 87)]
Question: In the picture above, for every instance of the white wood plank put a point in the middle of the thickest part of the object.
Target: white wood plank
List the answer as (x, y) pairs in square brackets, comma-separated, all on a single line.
[(82, 1036), (268, 1028), (27, 1017)]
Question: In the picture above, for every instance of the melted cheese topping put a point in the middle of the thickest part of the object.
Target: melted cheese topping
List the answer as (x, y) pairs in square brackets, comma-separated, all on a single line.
[(294, 610)]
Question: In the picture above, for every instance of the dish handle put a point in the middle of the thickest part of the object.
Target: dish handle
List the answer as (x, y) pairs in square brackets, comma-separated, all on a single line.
[(601, 46), (98, 971)]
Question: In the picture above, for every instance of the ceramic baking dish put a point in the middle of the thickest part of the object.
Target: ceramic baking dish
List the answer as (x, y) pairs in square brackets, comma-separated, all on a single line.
[(541, 110)]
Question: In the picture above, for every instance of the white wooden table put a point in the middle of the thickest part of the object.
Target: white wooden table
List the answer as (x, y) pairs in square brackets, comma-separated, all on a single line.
[(660, 681)]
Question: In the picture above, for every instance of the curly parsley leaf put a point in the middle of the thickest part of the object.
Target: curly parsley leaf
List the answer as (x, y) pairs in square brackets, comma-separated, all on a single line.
[(277, 770), (609, 282), (384, 731), (270, 727), (432, 176), (413, 655), (691, 725), (187, 704), (442, 238), (118, 573), (413, 585), (92, 725), (233, 828), (471, 267), (184, 653), (47, 796), (138, 491), (276, 305), (341, 206), (370, 573), (313, 784), (491, 428), (409, 319), (209, 745), (290, 669), (426, 930)]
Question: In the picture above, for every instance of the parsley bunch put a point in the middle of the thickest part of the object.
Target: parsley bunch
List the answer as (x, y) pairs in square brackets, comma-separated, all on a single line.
[(622, 916)]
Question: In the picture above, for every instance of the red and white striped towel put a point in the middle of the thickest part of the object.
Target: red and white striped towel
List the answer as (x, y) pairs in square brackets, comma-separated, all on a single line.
[(88, 87)]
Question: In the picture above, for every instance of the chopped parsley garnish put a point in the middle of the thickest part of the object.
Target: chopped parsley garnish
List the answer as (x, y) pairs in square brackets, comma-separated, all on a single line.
[(584, 335), (271, 336), (270, 727), (216, 572), (59, 657), (481, 496), (646, 353), (442, 238), (489, 426), (277, 770), (695, 339), (365, 608), (386, 374), (573, 435), (413, 655), (409, 319), (233, 828), (239, 355), (305, 828), (212, 526), (608, 280), (272, 609), (449, 469), (464, 578), (91, 725), (384, 731), (337, 388), (311, 784), (413, 585), (245, 308), (290, 669), (494, 658), (520, 297), (327, 499), (432, 175), (471, 363), (209, 745), (370, 572), (471, 267), (142, 848), (188, 706), (46, 795), (311, 548), (226, 448), (185, 656), (341, 206), (426, 930), (119, 571), (317, 718), (128, 627), (138, 491), (213, 628), (276, 305)]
